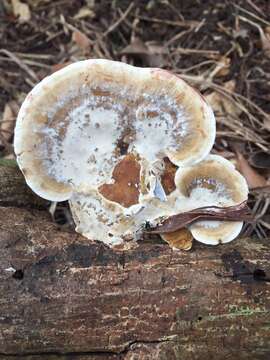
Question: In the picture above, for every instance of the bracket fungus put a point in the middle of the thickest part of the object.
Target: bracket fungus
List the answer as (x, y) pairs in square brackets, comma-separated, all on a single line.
[(124, 145)]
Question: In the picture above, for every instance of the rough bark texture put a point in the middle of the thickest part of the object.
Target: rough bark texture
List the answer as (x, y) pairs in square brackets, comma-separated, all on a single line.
[(14, 191), (70, 298)]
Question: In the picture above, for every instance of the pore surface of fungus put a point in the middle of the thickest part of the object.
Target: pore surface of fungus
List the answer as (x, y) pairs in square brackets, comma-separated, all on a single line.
[(122, 144)]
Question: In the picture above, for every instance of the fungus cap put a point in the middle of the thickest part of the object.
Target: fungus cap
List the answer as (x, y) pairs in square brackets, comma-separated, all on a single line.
[(80, 130), (212, 182)]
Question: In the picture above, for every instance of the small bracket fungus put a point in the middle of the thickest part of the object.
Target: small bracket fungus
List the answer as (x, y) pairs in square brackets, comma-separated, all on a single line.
[(124, 145)]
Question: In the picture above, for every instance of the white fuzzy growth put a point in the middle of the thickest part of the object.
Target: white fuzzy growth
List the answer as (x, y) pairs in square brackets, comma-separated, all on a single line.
[(85, 156), (157, 134), (209, 224), (206, 197), (97, 218), (201, 196)]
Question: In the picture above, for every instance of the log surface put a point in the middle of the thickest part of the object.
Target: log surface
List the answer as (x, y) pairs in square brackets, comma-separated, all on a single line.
[(65, 297)]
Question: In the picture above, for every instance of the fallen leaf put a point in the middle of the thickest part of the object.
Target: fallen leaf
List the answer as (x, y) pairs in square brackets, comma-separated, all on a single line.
[(242, 33), (137, 47), (239, 212), (223, 67), (84, 12), (7, 122), (57, 67), (265, 39), (260, 159), (151, 54), (90, 3), (181, 239), (266, 124), (252, 177), (222, 104), (81, 40), (21, 10)]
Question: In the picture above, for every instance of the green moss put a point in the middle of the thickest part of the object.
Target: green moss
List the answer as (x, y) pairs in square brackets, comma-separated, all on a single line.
[(235, 310), (8, 162)]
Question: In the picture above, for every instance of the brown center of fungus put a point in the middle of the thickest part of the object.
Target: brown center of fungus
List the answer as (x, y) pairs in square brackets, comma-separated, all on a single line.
[(125, 189)]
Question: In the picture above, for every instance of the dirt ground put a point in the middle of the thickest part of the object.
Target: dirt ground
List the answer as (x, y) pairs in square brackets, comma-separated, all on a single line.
[(220, 47)]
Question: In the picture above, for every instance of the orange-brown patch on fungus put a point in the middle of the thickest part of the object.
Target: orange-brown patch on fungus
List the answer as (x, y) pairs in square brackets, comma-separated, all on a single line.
[(180, 239), (125, 190), (167, 178), (100, 92)]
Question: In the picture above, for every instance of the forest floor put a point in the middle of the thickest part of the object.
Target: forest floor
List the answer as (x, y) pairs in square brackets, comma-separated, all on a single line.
[(220, 47)]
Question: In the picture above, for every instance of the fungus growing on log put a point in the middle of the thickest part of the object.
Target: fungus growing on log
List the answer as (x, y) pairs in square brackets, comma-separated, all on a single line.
[(124, 145)]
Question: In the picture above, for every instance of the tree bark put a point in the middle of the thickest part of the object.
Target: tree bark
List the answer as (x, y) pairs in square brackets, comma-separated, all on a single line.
[(65, 297), (14, 191)]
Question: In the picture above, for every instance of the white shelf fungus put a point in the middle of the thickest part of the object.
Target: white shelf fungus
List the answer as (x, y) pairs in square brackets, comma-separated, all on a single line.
[(110, 137)]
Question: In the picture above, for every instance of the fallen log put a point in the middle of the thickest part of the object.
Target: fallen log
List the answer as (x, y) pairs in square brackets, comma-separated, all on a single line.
[(65, 297)]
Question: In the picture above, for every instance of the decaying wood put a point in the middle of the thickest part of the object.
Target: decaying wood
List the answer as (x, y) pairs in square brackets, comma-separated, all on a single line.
[(14, 191), (65, 297)]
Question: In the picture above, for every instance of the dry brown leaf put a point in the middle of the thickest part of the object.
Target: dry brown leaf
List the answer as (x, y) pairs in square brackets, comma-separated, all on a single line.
[(260, 160), (163, 225), (224, 67), (181, 239), (57, 67), (252, 177), (21, 10), (136, 47), (84, 12), (81, 40), (7, 122), (266, 124), (265, 39), (222, 104), (90, 3), (230, 85), (151, 54)]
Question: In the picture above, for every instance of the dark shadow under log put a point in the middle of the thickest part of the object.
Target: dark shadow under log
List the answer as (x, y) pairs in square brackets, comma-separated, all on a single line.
[(65, 297)]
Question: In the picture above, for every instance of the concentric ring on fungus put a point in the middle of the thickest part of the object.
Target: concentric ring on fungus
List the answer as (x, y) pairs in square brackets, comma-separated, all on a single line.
[(212, 182), (99, 134)]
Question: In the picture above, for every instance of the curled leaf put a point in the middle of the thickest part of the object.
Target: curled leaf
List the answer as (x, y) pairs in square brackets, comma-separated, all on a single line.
[(81, 40), (260, 159), (151, 54), (21, 10), (173, 223), (83, 13), (60, 66), (7, 121), (253, 178), (265, 39), (222, 104)]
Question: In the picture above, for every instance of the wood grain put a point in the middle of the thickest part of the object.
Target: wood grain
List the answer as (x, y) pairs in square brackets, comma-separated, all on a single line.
[(71, 298)]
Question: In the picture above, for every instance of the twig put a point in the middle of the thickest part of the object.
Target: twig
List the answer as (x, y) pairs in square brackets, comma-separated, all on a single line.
[(181, 50), (251, 14), (185, 23), (27, 62), (20, 63), (255, 7), (118, 22)]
